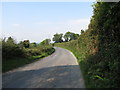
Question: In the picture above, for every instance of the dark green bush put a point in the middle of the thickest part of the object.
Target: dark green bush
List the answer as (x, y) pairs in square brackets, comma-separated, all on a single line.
[(12, 50)]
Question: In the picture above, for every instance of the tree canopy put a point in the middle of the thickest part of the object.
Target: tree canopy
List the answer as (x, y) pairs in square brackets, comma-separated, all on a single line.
[(26, 43), (70, 36), (45, 42), (58, 38)]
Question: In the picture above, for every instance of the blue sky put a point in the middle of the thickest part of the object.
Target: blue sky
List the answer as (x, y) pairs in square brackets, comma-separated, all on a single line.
[(37, 21)]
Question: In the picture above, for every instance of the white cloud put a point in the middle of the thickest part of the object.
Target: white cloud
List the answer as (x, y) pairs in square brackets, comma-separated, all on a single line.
[(73, 25), (51, 28), (81, 23)]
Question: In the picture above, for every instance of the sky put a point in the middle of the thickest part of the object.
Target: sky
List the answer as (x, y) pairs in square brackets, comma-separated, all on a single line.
[(36, 21)]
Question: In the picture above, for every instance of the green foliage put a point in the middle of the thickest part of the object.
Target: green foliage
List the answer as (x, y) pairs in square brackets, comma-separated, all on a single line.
[(58, 38), (34, 44), (10, 40), (10, 49), (20, 44), (38, 50), (82, 31), (97, 49), (26, 43), (70, 36), (45, 42)]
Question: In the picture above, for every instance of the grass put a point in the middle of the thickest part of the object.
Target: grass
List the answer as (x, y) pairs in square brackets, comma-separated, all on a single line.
[(17, 62)]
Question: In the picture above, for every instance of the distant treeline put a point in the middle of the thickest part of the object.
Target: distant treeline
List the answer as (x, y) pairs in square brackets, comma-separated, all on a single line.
[(98, 48), (68, 36)]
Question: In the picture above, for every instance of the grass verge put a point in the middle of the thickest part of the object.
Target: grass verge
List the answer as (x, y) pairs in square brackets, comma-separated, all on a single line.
[(96, 70), (17, 62)]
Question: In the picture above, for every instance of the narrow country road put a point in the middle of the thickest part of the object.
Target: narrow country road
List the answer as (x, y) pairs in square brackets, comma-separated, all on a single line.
[(59, 70)]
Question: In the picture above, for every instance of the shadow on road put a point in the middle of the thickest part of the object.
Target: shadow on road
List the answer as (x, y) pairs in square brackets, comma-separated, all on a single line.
[(68, 76)]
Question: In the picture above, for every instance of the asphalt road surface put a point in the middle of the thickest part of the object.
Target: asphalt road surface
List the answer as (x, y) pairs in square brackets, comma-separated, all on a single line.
[(59, 70)]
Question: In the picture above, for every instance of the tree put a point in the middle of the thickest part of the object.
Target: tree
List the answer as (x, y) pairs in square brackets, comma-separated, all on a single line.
[(34, 44), (58, 38), (67, 36), (10, 49), (26, 43), (20, 44), (75, 36), (82, 31), (70, 36), (45, 42), (10, 41)]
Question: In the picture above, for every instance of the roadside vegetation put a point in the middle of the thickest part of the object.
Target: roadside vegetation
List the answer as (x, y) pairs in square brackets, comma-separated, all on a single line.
[(97, 48), (18, 54)]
